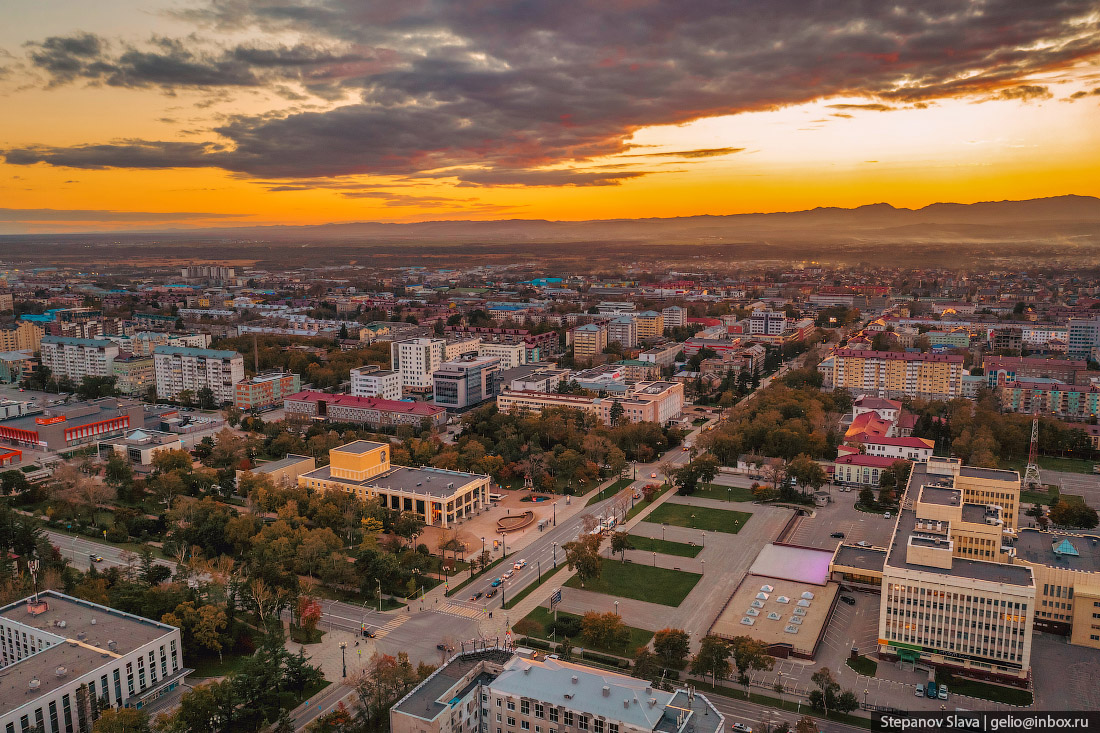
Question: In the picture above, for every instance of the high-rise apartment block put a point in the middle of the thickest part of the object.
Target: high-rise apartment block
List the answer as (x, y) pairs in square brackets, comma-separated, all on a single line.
[(651, 324), (623, 329), (21, 336), (415, 360), (589, 340), (76, 358), (892, 374), (265, 391), (182, 369)]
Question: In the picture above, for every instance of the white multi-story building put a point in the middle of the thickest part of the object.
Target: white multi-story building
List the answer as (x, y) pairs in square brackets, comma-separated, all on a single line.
[(371, 381), (767, 323), (415, 360), (179, 368), (62, 656), (623, 329), (1084, 337), (510, 355), (459, 347), (497, 690), (675, 316), (466, 382), (76, 358)]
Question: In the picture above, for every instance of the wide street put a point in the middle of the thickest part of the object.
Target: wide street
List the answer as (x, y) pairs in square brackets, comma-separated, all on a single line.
[(756, 716)]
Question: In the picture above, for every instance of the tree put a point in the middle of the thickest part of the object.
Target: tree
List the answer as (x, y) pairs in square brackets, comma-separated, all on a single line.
[(206, 398), (805, 724), (827, 692), (605, 630), (118, 473), (807, 472), (583, 556), (1073, 514), (168, 461), (616, 413), (672, 647), (713, 658), (14, 481), (847, 702), (867, 497), (748, 655), (645, 664), (122, 720), (620, 543)]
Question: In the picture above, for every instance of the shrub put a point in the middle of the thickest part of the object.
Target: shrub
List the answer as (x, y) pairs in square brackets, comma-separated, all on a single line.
[(565, 626), (116, 534)]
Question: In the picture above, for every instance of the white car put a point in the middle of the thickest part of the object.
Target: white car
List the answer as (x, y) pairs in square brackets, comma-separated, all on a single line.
[(741, 728), (519, 565), (508, 574)]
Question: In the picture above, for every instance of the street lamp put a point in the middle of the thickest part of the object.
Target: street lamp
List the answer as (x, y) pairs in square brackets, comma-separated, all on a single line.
[(703, 539), (616, 608), (655, 559), (554, 549), (704, 570), (343, 656), (379, 581), (554, 506), (504, 545), (663, 525), (729, 494), (635, 464), (865, 699), (693, 521)]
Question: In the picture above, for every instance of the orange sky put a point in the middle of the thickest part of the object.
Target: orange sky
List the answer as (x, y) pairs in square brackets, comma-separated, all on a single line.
[(834, 151)]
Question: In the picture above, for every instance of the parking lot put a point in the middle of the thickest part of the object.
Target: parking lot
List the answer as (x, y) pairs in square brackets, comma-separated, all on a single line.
[(841, 516), (1064, 676)]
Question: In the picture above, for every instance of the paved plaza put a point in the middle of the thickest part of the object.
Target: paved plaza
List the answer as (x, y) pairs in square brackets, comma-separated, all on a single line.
[(842, 516)]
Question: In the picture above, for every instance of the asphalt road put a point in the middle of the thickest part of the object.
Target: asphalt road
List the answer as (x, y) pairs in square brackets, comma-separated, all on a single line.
[(79, 549), (756, 716)]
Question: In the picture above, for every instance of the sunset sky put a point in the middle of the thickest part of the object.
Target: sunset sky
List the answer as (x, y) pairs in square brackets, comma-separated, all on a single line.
[(120, 114)]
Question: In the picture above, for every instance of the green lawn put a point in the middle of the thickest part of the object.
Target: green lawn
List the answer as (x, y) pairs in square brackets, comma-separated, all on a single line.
[(724, 493), (542, 617), (641, 582), (1047, 497), (213, 667), (983, 690), (864, 665), (610, 491), (511, 600), (685, 515), (1052, 463), (641, 505), (664, 547)]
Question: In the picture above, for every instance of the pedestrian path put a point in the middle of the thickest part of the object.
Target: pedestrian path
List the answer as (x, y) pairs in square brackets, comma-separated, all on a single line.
[(389, 626)]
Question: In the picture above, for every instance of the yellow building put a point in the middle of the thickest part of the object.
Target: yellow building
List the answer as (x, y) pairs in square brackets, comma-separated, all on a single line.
[(651, 324), (1067, 582), (20, 336), (892, 374), (363, 468), (589, 340)]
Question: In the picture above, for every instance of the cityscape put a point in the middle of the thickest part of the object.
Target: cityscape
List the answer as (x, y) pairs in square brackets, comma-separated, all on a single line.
[(626, 367)]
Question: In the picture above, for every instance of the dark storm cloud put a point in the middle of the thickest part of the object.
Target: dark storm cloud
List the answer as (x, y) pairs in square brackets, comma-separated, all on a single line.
[(511, 87), (122, 154), (698, 153)]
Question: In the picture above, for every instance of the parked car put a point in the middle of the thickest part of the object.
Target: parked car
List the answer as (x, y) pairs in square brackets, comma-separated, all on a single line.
[(369, 633), (444, 648), (496, 582), (837, 535), (519, 564), (930, 690), (919, 691), (886, 515), (849, 600), (942, 692)]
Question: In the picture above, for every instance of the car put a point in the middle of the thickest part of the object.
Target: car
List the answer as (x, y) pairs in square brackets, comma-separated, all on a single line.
[(741, 728), (942, 692), (837, 535), (496, 582), (637, 495), (919, 691), (930, 690), (444, 648), (492, 592), (477, 595), (95, 558), (886, 515), (653, 475), (848, 599), (508, 574), (369, 633), (519, 564)]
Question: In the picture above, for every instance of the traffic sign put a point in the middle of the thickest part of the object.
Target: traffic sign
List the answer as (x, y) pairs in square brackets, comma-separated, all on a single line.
[(555, 599)]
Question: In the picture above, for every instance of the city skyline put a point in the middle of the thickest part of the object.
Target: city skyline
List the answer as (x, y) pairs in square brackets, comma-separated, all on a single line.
[(212, 114)]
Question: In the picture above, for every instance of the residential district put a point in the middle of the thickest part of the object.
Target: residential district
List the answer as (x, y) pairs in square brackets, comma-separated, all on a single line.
[(497, 499)]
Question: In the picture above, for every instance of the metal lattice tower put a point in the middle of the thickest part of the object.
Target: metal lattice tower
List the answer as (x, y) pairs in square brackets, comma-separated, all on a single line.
[(1031, 473)]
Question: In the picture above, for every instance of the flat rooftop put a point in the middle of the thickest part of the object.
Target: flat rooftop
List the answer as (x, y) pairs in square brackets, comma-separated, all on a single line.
[(864, 558), (940, 495), (430, 698), (1038, 547), (973, 513), (990, 473), (777, 616), (427, 481), (82, 645), (290, 460), (360, 447), (791, 562), (960, 568)]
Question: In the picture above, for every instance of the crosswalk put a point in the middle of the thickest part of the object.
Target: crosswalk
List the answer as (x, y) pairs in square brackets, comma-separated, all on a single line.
[(390, 625), (454, 609)]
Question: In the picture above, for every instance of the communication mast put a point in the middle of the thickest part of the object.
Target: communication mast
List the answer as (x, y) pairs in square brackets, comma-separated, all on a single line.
[(1031, 473)]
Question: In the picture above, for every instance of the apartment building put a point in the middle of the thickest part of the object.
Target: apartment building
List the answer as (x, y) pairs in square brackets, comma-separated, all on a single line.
[(465, 383), (456, 348), (767, 323), (675, 316), (183, 369), (589, 340), (133, 374), (1000, 370), (415, 360), (657, 402), (62, 655), (21, 336), (1048, 397), (363, 469), (651, 325), (265, 391), (373, 381), (142, 343), (510, 356), (76, 358), (207, 272), (371, 411), (494, 690), (539, 346), (1084, 337), (623, 329), (663, 355), (891, 374)]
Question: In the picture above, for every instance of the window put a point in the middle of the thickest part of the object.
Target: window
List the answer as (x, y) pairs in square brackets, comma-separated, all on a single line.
[(130, 678), (511, 721), (568, 717), (597, 726), (524, 725), (582, 722), (539, 710), (524, 707), (118, 688), (68, 713), (498, 717), (511, 704), (553, 715), (612, 728)]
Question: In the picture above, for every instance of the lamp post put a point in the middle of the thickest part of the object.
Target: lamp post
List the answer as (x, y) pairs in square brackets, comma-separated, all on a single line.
[(616, 608), (554, 549), (504, 546), (693, 521), (729, 494), (703, 539), (554, 506), (655, 559), (865, 699), (635, 464), (663, 525), (343, 656), (704, 570), (379, 581)]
